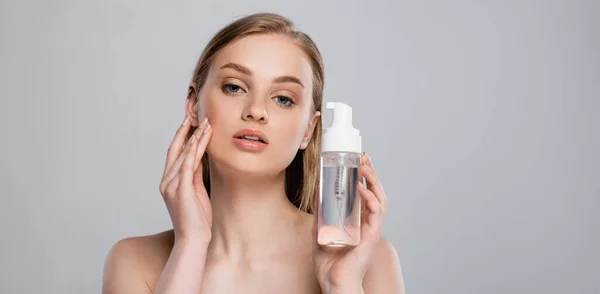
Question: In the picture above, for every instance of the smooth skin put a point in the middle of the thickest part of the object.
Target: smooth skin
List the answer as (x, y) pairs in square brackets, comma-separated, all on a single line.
[(248, 238)]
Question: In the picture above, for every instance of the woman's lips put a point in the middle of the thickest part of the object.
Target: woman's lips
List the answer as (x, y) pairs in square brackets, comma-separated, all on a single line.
[(252, 133), (249, 145), (250, 140)]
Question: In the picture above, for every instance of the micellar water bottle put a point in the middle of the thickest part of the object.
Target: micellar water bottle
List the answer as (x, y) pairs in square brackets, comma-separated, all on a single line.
[(339, 201)]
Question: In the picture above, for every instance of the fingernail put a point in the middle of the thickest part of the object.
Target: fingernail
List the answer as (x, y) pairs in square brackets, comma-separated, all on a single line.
[(207, 128), (185, 121), (369, 159), (362, 185)]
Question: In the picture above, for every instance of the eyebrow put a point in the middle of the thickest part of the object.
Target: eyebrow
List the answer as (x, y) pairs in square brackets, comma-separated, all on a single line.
[(288, 79), (244, 70), (238, 67)]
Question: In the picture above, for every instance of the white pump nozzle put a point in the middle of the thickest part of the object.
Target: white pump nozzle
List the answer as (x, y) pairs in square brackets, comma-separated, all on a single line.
[(342, 114), (341, 136)]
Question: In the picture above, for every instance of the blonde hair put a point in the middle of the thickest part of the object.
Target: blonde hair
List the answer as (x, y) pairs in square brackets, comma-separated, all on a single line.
[(302, 174)]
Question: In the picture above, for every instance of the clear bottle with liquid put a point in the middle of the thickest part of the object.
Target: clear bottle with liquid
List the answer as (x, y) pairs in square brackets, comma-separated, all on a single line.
[(339, 199)]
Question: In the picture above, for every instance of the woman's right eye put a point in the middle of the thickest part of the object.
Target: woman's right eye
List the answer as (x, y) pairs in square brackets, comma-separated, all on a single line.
[(232, 88)]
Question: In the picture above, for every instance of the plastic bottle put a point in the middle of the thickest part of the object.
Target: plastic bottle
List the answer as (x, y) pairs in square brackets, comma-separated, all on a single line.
[(339, 199)]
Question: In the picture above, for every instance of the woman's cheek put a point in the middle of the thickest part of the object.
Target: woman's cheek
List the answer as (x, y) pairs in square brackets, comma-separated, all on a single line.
[(292, 137)]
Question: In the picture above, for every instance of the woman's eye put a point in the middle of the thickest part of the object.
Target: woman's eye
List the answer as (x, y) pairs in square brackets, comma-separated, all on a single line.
[(232, 88), (284, 101)]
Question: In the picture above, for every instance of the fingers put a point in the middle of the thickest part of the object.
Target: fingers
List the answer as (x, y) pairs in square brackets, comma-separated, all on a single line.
[(175, 160), (177, 143), (375, 202), (205, 137), (191, 158), (186, 174), (370, 200), (167, 183), (176, 165), (373, 182), (201, 149), (189, 177), (371, 229)]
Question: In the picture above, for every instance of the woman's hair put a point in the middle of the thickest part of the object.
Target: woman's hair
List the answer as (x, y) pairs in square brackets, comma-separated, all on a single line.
[(302, 174)]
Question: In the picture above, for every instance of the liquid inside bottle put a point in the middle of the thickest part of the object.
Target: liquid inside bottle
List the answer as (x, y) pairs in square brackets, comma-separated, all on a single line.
[(339, 199)]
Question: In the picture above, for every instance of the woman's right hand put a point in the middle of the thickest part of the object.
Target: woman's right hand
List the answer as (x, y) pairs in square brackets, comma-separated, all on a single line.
[(182, 187)]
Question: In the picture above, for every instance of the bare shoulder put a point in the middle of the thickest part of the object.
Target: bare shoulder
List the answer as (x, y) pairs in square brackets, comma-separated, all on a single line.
[(133, 265), (385, 273)]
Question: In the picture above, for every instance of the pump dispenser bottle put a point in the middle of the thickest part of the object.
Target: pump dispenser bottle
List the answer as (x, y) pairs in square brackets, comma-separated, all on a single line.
[(339, 201)]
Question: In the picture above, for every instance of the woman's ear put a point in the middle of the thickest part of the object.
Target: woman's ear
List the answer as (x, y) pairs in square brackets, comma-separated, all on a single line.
[(191, 104), (310, 130)]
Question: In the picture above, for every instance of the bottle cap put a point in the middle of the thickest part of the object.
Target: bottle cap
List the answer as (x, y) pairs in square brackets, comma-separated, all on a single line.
[(341, 136)]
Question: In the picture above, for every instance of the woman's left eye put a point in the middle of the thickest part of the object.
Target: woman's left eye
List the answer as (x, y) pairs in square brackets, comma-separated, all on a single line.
[(284, 101), (232, 88)]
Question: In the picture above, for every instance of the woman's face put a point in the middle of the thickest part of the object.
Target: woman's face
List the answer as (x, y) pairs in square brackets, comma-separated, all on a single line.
[(261, 84)]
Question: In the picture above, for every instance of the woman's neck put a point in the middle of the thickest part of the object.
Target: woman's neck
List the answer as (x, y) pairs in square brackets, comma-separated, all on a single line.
[(252, 216)]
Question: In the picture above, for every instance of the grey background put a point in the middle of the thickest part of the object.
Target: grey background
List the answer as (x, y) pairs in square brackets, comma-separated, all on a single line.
[(481, 118)]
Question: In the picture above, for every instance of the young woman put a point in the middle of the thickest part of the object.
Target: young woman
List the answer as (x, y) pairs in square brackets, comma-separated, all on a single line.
[(241, 178)]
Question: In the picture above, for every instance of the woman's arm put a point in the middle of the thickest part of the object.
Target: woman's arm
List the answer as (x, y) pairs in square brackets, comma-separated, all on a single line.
[(373, 265), (134, 265), (385, 273), (189, 207), (184, 270)]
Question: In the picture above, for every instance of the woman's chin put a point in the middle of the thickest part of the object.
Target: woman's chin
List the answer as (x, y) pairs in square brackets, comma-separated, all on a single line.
[(248, 164)]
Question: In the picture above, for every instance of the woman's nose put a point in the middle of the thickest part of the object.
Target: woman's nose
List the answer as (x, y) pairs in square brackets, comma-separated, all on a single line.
[(256, 110)]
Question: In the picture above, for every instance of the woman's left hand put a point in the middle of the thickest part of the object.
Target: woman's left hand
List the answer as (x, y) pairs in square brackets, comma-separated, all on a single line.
[(341, 269)]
